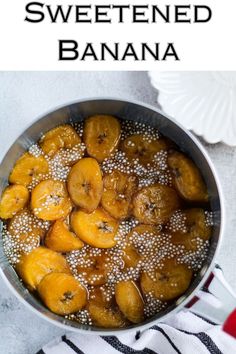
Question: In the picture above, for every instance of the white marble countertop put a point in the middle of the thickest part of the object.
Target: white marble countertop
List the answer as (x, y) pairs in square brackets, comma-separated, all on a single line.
[(26, 95)]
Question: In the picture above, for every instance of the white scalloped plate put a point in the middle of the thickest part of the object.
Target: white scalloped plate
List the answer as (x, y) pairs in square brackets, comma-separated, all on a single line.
[(204, 102)]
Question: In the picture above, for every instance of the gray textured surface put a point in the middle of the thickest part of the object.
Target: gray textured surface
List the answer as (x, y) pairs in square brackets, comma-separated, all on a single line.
[(24, 96)]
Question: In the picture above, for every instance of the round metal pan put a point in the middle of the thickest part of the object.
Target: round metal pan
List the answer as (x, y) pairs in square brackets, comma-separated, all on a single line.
[(127, 110)]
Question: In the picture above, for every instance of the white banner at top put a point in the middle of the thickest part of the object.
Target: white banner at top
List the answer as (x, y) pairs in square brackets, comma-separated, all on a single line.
[(118, 35)]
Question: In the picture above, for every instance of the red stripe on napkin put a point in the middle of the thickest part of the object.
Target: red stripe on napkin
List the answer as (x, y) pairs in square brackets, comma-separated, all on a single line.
[(230, 324)]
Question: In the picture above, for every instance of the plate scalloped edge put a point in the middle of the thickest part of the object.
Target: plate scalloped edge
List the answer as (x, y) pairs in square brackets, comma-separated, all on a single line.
[(202, 101)]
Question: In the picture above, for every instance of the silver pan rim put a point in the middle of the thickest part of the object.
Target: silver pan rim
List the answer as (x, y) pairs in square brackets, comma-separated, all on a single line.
[(178, 307)]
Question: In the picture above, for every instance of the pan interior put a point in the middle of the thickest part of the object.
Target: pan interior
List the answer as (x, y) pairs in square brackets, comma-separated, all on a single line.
[(129, 111)]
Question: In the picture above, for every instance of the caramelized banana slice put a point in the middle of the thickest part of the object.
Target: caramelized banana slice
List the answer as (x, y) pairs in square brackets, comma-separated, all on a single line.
[(26, 230), (143, 148), (27, 168), (155, 204), (103, 312), (34, 266), (68, 157), (98, 229), (119, 188), (105, 317), (196, 227), (62, 293), (60, 239), (130, 301), (85, 184), (187, 178), (13, 199), (50, 200), (25, 222), (101, 136), (132, 254), (95, 268), (168, 282), (60, 137)]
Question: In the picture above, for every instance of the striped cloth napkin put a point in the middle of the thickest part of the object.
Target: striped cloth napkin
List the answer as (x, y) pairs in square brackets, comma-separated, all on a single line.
[(182, 333)]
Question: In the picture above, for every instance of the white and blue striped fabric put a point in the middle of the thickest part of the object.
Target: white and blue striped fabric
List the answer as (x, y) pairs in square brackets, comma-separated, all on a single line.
[(183, 333)]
